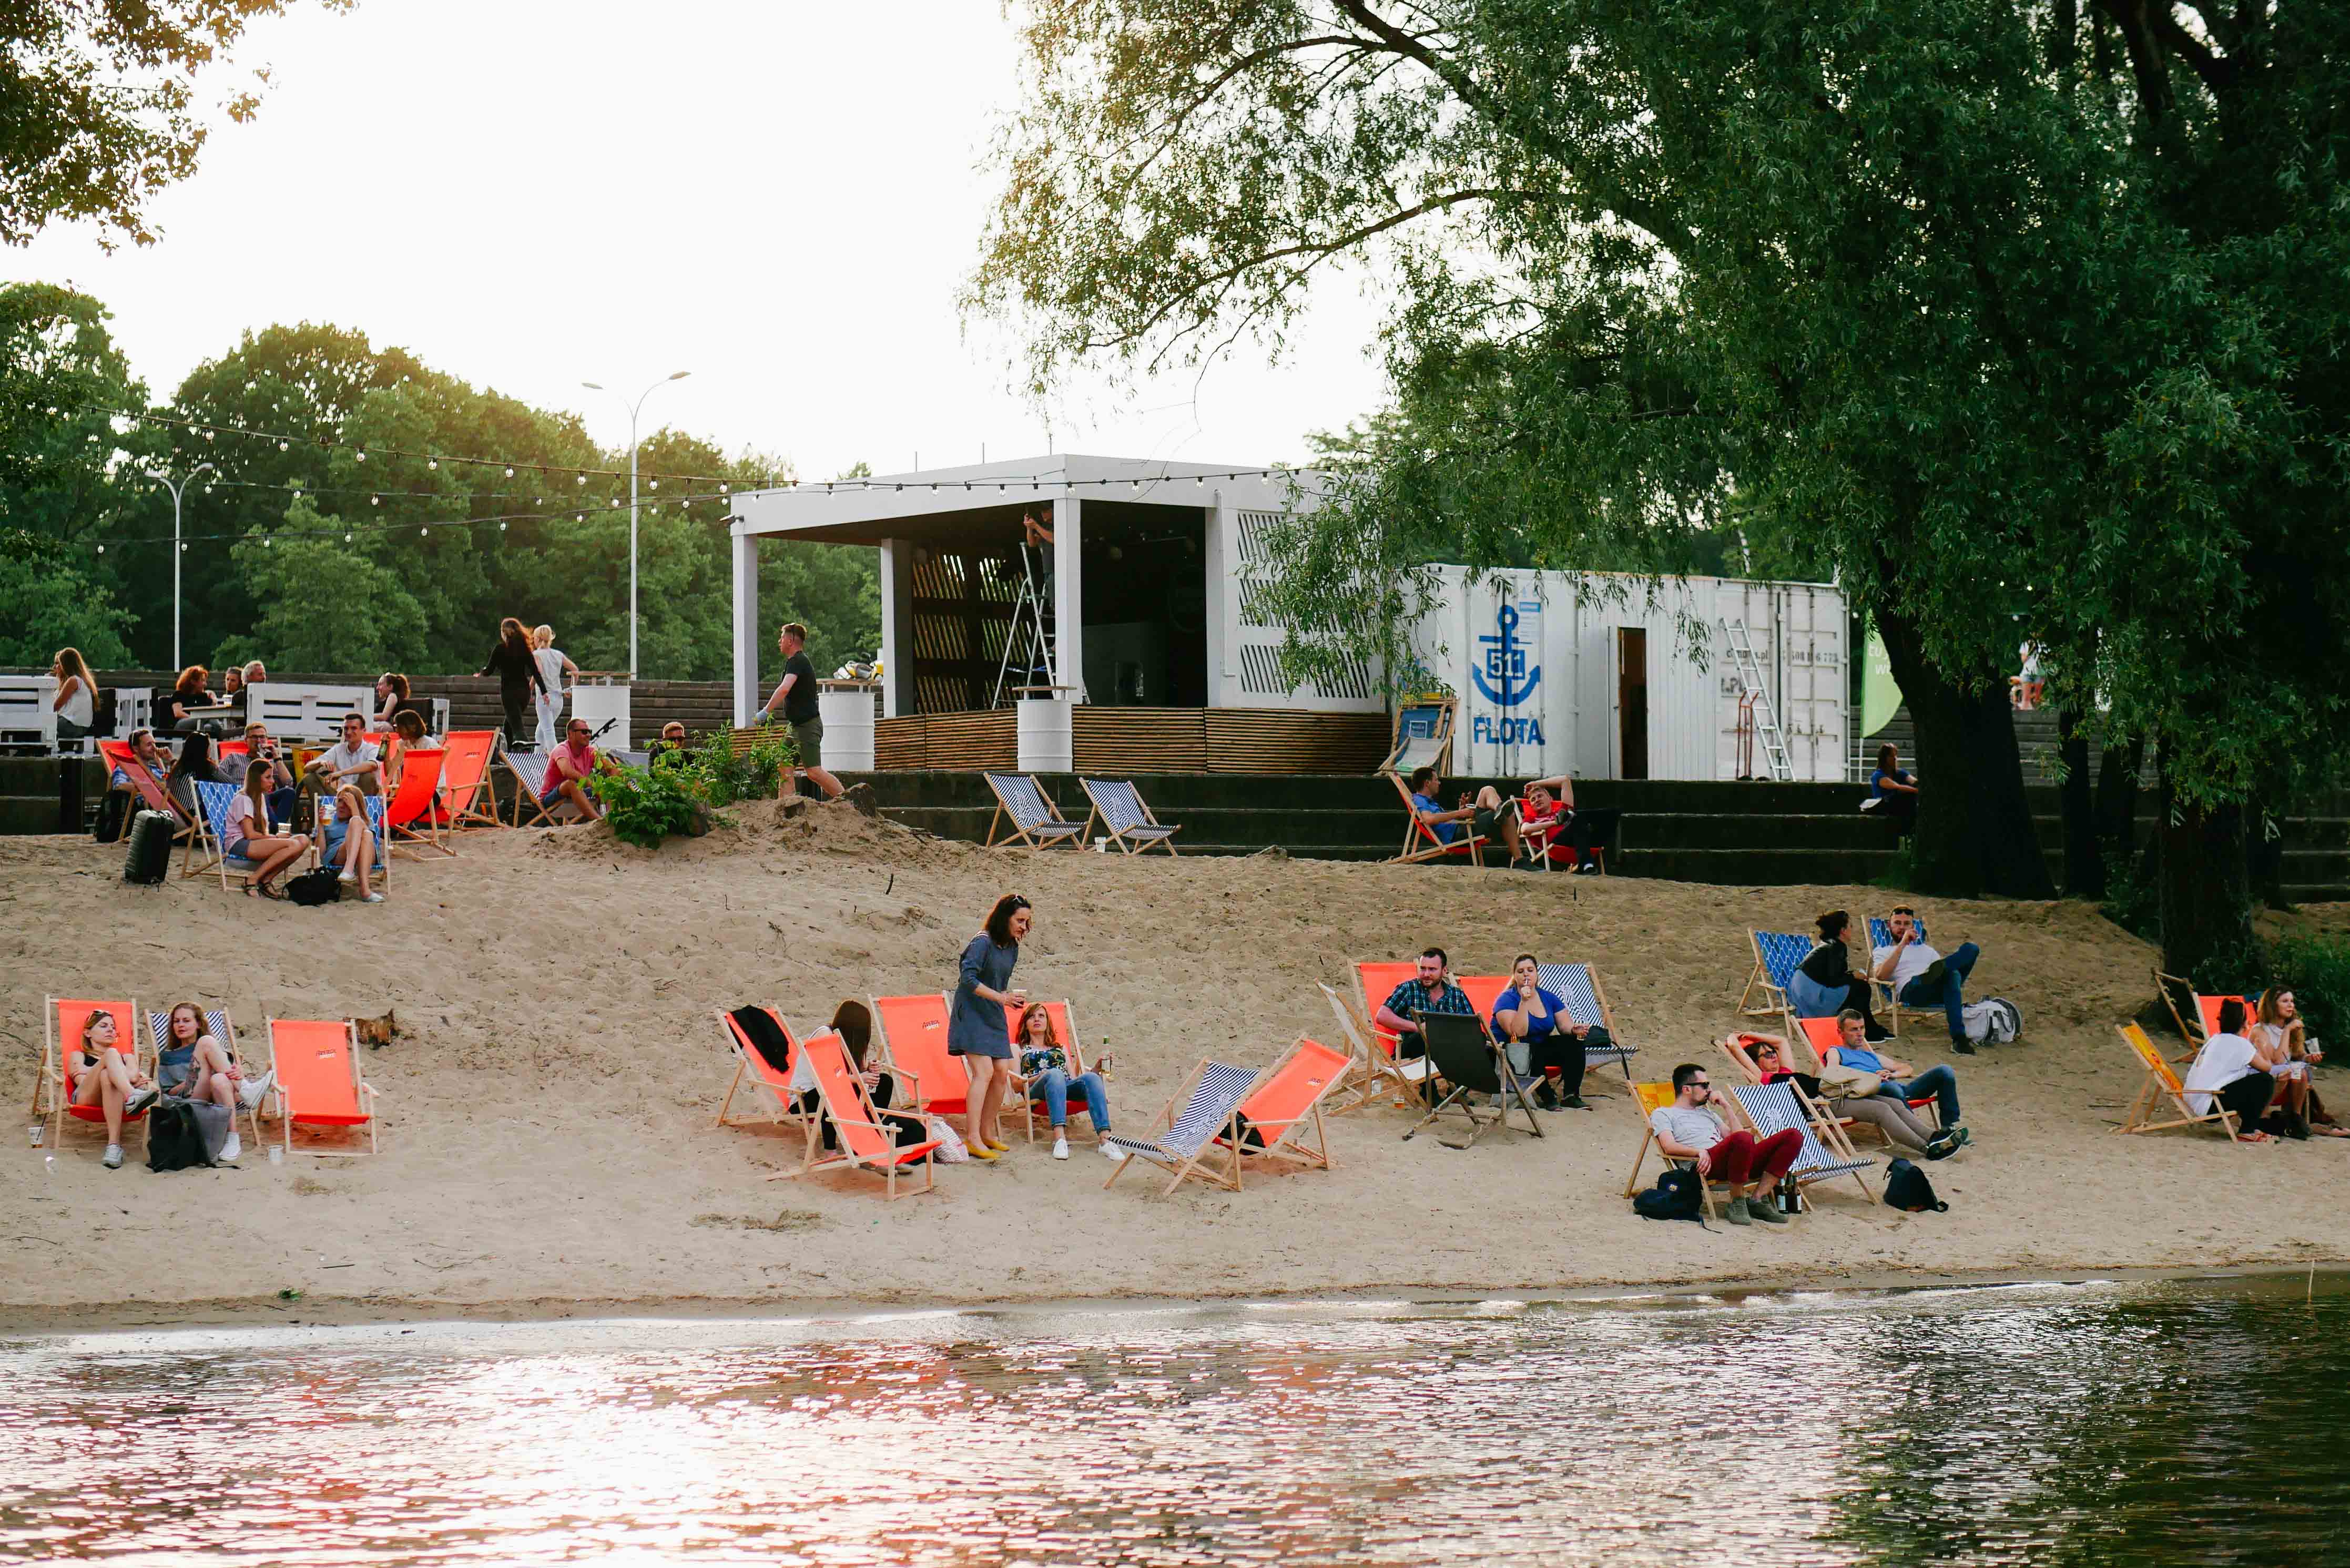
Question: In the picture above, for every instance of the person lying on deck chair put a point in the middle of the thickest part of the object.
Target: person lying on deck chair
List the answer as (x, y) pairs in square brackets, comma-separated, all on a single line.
[(1924, 978), (854, 1023), (1888, 1114), (1690, 1129), (1551, 802), (1488, 814), (1898, 1080), (197, 1066), (1535, 1026), (569, 767), (1430, 991), (158, 765)]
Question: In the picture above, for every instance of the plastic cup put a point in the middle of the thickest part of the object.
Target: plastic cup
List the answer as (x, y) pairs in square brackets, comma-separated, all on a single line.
[(277, 1154)]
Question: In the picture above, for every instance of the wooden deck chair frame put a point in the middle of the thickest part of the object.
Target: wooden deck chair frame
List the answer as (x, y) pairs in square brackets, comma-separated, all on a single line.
[(159, 1029), (1429, 846), (750, 1063), (1026, 1103), (1822, 1039), (1774, 998), (1221, 1149), (202, 840), (404, 834), (50, 1095), (2162, 1084), (1410, 1078), (1127, 838), (479, 807), (1302, 1139), (949, 1098), (1623, 1051), (1468, 1074), (1824, 1126), (1650, 1097), (1055, 829), (144, 784), (2170, 988), (1371, 1071), (364, 1093), (836, 1079), (1444, 708), (529, 811)]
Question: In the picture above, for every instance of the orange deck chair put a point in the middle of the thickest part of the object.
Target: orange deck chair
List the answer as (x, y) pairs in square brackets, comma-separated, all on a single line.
[(1378, 981), (1283, 1115), (318, 1082), (1025, 1098), (151, 794), (864, 1143), (1421, 841), (2208, 1008), (2162, 1084), (913, 1031), (1820, 1035), (410, 817), (772, 1082), (62, 1023), (465, 800)]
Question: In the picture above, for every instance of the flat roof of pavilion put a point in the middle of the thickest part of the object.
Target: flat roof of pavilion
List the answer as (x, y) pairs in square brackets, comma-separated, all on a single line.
[(937, 502)]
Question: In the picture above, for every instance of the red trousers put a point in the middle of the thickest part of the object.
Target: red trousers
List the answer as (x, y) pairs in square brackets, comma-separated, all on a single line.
[(1738, 1159)]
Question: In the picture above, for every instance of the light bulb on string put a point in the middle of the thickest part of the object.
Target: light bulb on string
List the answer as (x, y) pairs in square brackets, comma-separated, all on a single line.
[(375, 501), (433, 463), (510, 471), (361, 457), (283, 446), (652, 484), (502, 527), (347, 538), (583, 479), (101, 549)]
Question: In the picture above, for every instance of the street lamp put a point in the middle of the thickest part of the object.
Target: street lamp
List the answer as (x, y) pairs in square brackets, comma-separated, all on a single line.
[(164, 479), (649, 391)]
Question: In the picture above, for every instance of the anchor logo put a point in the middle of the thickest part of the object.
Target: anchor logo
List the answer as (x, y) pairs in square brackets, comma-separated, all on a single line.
[(1504, 678)]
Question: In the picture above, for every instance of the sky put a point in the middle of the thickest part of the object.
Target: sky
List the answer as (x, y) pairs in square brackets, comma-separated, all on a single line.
[(782, 198)]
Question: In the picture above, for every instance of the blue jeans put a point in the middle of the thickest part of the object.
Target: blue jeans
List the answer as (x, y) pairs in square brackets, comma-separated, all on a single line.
[(1955, 969), (1937, 1081), (1054, 1088), (281, 807)]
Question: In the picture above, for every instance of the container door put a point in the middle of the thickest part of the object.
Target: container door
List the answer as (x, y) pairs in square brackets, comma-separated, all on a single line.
[(1631, 702)]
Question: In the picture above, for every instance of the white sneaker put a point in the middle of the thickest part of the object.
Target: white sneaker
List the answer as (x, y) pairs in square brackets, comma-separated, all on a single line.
[(1060, 1148), (114, 1160), (1109, 1153), (252, 1090), (141, 1099), (232, 1147), (372, 898), (347, 875)]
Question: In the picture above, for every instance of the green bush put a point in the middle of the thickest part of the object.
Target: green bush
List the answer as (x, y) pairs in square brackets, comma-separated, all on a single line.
[(644, 807), (719, 775), (2317, 970)]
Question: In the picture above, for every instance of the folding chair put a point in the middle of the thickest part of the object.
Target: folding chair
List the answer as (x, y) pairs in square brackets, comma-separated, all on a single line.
[(865, 1142), (1275, 1117), (1035, 820), (318, 1082), (1370, 1065), (2206, 1008), (1210, 1097), (529, 771), (2172, 988), (1422, 842), (1422, 737), (2160, 1084), (1586, 995), (411, 816), (209, 835), (1025, 1100), (1880, 935), (1462, 1054), (62, 1018), (1410, 1075), (1120, 809), (1777, 956), (774, 1081), (1822, 1035), (466, 798), (1773, 1108), (217, 1025), (913, 1036), (119, 757), (1652, 1098)]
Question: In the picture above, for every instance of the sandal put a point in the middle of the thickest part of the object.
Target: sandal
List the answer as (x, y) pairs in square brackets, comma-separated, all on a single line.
[(273, 894)]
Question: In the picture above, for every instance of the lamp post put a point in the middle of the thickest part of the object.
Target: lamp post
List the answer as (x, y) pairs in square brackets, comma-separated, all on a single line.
[(163, 478), (649, 391)]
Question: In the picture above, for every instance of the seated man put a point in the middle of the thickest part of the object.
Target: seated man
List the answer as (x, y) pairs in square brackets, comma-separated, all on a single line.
[(569, 767), (143, 747), (1924, 978), (1550, 803), (1900, 1085), (1688, 1129), (345, 776), (1430, 991), (669, 752), (1488, 814), (1541, 1036)]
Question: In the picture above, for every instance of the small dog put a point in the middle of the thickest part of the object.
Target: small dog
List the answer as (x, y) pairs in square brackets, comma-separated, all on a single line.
[(375, 1034)]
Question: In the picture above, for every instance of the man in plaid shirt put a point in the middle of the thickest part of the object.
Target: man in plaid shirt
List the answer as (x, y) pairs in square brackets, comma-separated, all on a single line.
[(1430, 991)]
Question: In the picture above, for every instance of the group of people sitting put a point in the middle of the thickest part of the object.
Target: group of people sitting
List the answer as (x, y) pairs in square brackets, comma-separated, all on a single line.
[(1857, 1083), (1529, 1022), (1826, 984), (1544, 831), (105, 1073), (2256, 1067)]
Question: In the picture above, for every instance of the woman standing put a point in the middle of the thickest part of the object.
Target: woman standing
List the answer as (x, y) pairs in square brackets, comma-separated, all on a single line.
[(76, 700), (517, 672), (978, 1030), (1045, 1066), (1823, 984), (556, 674)]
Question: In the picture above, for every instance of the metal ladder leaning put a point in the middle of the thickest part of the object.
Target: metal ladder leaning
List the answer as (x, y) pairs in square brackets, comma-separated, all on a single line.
[(1028, 623), (1748, 669)]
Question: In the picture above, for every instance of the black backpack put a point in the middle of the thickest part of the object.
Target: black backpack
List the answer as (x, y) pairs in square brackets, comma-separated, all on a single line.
[(1906, 1188), (1676, 1196), (175, 1139), (319, 884), (113, 818)]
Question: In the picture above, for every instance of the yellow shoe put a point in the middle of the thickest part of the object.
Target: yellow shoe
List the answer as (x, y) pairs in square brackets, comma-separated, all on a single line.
[(981, 1151), (999, 1148)]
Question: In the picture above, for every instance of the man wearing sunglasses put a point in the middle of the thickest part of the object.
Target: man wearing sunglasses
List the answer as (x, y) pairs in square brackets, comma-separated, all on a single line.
[(1690, 1129)]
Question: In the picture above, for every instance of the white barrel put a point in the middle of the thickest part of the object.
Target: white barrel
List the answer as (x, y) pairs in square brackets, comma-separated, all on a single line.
[(598, 699), (848, 714), (1045, 735)]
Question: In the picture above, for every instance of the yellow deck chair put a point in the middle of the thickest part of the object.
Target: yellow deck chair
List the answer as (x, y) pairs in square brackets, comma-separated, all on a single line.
[(1654, 1098), (2161, 1084)]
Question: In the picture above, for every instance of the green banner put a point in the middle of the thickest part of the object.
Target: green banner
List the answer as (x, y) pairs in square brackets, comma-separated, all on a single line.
[(1880, 697)]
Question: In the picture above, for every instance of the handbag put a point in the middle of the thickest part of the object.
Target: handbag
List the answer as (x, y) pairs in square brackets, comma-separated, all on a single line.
[(1841, 1081)]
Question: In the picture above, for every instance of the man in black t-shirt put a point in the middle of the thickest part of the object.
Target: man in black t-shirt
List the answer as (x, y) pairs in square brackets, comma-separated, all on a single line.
[(796, 695)]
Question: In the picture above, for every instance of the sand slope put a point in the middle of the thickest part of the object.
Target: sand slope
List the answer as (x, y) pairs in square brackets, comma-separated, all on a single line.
[(547, 1118)]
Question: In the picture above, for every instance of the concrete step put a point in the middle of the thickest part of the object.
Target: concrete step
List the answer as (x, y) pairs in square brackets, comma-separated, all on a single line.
[(1646, 831), (1752, 868)]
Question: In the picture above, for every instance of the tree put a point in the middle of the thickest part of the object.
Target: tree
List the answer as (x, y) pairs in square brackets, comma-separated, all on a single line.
[(53, 604), (326, 605)]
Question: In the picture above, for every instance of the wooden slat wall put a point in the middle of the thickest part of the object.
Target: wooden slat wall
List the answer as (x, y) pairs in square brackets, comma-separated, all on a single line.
[(1144, 740), (1259, 741), (955, 742)]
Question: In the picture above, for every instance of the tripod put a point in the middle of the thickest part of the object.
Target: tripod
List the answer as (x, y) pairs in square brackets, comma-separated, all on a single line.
[(1030, 639)]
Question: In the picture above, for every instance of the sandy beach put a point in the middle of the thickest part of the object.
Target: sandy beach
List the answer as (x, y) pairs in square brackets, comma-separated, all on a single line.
[(548, 1144)]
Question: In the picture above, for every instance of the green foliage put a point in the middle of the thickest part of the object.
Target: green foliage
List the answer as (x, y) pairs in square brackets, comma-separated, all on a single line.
[(2317, 969), (719, 775), (643, 805), (52, 605), (325, 605)]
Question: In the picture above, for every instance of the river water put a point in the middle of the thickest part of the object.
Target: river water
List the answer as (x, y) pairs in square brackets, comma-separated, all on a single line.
[(2083, 1424)]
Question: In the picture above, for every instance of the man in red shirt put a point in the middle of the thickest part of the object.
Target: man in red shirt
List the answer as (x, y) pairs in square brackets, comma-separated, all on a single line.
[(1550, 804)]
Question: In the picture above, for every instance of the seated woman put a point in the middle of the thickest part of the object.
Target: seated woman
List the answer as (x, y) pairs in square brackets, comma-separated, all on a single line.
[(188, 694), (196, 1065), (283, 793), (1894, 789), (407, 729), (351, 771), (2278, 1030), (1824, 984), (249, 839), (105, 1072), (1045, 1069), (1535, 1026), (2232, 1073), (76, 702), (196, 763), (391, 692), (1888, 1114), (854, 1023)]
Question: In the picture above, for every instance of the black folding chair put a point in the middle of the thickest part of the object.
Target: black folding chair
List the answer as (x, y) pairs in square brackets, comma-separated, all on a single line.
[(1460, 1054)]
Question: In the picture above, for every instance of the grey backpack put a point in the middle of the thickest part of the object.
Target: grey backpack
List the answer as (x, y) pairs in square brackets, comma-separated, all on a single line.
[(1994, 1021)]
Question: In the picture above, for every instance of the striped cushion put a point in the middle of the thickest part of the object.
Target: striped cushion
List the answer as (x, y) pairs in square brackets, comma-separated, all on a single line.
[(1880, 930), (1219, 1089)]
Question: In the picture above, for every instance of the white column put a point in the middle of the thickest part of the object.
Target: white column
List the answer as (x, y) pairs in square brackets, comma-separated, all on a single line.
[(897, 628), (1216, 567), (746, 625), (1068, 596)]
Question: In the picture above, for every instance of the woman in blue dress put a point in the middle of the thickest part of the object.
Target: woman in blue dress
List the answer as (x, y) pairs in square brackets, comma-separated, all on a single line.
[(978, 1029)]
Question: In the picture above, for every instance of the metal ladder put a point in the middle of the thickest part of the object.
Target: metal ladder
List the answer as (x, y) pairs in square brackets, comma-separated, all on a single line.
[(1748, 669), (1028, 621)]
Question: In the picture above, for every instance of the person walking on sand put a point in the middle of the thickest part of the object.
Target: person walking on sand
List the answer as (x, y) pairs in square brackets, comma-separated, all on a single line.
[(516, 669), (979, 1030), (795, 695), (556, 674)]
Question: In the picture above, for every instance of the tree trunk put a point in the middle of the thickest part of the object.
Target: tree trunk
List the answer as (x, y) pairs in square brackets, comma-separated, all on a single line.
[(2206, 893), (2085, 859), (2117, 805), (1974, 826)]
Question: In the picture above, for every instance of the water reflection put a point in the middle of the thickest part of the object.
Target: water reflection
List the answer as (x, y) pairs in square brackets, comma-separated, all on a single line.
[(2086, 1425)]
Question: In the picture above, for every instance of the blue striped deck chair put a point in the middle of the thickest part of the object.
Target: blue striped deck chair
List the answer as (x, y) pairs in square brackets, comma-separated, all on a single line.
[(1578, 985), (1035, 820), (210, 835), (1778, 1108), (1776, 954), (218, 1025), (529, 771), (1880, 935), (1119, 807), (1210, 1096)]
